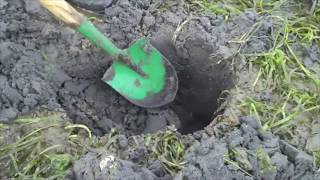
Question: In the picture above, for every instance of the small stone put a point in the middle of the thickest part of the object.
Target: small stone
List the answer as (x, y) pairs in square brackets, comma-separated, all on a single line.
[(31, 100), (235, 139), (280, 160), (272, 145), (5, 52), (313, 142), (3, 4), (7, 115), (304, 158), (248, 130), (155, 123), (266, 95), (251, 121), (34, 8), (288, 150), (3, 82), (204, 149), (149, 21), (265, 135), (157, 168), (13, 95), (3, 28), (122, 141)]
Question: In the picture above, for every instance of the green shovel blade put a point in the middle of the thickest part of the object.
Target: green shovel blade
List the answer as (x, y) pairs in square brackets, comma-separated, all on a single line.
[(143, 76), (140, 73)]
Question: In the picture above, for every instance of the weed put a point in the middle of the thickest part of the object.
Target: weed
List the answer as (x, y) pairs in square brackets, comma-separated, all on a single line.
[(281, 70), (295, 87), (179, 29), (276, 115), (33, 155), (216, 7), (272, 115), (238, 157), (228, 7), (235, 164), (273, 67), (58, 163), (168, 148), (264, 161), (306, 27), (316, 156)]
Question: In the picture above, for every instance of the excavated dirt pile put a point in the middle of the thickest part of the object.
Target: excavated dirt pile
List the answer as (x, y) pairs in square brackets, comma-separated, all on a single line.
[(44, 63)]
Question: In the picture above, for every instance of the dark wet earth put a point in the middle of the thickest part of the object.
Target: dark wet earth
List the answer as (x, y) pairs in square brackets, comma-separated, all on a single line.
[(44, 63)]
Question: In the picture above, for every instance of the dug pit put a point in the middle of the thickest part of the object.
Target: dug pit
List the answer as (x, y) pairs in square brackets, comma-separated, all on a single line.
[(202, 79)]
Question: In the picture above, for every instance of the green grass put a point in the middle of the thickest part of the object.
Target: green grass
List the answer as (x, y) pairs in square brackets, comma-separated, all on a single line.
[(227, 160), (273, 67), (232, 7), (239, 159), (281, 71), (217, 7), (168, 148), (316, 156), (32, 155), (296, 88)]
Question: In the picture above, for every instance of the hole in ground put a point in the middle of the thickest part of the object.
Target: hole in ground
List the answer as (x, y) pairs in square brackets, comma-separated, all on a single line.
[(201, 82), (90, 101)]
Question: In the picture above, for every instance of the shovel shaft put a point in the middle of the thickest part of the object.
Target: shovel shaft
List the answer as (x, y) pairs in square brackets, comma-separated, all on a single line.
[(66, 13), (88, 30)]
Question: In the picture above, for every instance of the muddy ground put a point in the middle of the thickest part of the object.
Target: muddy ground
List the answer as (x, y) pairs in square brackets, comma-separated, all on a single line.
[(44, 63)]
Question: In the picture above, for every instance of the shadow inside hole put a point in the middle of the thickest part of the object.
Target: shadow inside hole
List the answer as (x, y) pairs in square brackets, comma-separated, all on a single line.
[(201, 82)]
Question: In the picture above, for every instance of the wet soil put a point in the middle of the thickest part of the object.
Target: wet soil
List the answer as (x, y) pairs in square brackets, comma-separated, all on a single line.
[(44, 63)]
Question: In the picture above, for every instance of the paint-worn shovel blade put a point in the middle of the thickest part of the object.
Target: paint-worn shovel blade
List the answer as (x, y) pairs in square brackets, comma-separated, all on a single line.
[(140, 73), (143, 76)]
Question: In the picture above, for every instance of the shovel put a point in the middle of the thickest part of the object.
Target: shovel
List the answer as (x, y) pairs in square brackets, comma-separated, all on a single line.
[(139, 73)]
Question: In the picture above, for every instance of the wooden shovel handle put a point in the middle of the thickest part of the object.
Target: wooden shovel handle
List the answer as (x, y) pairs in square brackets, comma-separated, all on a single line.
[(64, 11)]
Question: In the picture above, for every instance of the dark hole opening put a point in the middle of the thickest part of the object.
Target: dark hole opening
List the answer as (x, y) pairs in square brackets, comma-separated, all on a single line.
[(201, 81)]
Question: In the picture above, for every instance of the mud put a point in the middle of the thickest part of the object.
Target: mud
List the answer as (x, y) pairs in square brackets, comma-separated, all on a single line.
[(97, 6), (44, 63), (101, 165), (208, 157), (309, 54)]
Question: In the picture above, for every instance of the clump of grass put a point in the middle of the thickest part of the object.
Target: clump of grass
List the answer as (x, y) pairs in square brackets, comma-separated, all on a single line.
[(272, 115), (272, 67), (276, 115), (281, 71), (35, 154), (264, 161), (316, 156), (216, 7), (236, 165), (306, 26), (168, 148), (227, 7), (238, 158), (306, 31)]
